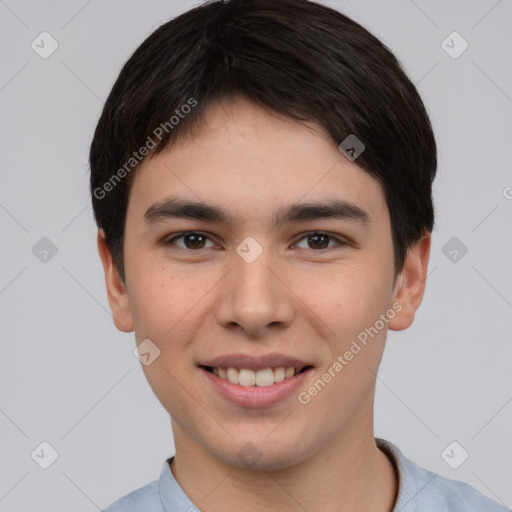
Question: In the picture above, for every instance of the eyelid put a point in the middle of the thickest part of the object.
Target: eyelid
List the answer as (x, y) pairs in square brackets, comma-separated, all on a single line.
[(170, 241), (340, 240)]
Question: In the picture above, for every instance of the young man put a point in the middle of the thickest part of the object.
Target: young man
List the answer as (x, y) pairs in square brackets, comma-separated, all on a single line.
[(261, 177)]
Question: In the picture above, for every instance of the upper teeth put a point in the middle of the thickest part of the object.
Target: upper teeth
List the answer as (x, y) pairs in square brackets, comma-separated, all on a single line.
[(246, 377)]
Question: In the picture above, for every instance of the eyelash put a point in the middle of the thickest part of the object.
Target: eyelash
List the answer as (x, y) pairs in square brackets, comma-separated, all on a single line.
[(312, 233)]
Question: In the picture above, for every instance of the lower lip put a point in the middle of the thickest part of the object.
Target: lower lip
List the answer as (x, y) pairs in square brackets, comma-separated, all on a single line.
[(257, 396)]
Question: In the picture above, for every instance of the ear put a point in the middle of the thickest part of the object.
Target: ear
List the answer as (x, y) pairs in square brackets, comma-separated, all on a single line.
[(116, 289), (410, 283)]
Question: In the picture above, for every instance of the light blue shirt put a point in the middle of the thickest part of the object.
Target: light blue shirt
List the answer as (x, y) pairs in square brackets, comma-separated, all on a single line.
[(419, 491)]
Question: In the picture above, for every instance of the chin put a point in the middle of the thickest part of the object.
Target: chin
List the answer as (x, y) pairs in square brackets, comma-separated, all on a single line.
[(260, 452)]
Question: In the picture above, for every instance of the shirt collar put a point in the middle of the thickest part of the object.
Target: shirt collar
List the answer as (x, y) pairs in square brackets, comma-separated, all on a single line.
[(172, 496), (411, 479), (174, 499)]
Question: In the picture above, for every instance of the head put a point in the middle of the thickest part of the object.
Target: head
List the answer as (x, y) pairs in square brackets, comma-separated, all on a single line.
[(242, 105)]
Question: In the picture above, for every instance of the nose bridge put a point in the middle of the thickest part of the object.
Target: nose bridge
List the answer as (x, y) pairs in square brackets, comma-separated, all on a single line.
[(254, 297), (254, 277)]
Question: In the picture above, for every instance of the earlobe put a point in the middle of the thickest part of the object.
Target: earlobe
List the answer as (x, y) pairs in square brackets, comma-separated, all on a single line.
[(410, 284), (116, 289)]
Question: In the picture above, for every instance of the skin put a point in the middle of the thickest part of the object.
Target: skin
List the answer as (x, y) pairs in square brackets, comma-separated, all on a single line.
[(298, 298)]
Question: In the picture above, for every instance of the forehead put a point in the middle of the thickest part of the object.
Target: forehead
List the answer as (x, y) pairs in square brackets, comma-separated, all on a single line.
[(250, 159)]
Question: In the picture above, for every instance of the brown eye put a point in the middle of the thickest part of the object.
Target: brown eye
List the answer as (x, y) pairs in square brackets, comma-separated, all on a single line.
[(318, 241), (191, 240)]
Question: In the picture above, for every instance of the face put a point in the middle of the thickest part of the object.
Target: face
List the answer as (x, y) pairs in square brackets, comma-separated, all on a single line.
[(256, 285)]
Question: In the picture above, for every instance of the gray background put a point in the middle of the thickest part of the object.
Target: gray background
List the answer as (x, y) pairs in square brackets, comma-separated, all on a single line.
[(70, 379)]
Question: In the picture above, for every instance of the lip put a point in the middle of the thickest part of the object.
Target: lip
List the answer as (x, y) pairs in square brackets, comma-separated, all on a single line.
[(255, 363), (256, 396)]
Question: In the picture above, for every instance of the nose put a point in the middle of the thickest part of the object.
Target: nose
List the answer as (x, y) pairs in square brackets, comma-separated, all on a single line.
[(255, 298)]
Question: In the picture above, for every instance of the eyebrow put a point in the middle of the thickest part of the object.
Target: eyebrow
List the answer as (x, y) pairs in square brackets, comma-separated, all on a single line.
[(173, 208)]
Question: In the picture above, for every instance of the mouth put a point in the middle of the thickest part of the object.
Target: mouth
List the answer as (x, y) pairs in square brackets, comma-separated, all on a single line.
[(247, 377), (254, 380), (261, 387)]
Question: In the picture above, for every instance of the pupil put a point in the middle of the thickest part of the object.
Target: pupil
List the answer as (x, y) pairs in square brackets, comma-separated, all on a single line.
[(317, 237), (195, 240), (193, 237)]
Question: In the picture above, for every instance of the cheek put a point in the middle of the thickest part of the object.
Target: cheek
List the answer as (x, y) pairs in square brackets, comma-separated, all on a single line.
[(351, 299), (169, 304), (157, 300), (352, 309), (163, 310)]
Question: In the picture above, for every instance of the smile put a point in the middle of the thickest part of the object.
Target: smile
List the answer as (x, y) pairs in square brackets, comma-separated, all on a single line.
[(254, 388), (261, 378)]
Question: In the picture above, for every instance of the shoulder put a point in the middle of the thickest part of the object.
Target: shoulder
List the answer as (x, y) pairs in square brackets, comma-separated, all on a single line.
[(421, 490), (164, 494), (456, 496), (145, 498)]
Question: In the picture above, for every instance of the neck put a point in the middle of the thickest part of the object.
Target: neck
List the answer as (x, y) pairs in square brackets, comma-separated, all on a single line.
[(349, 474)]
